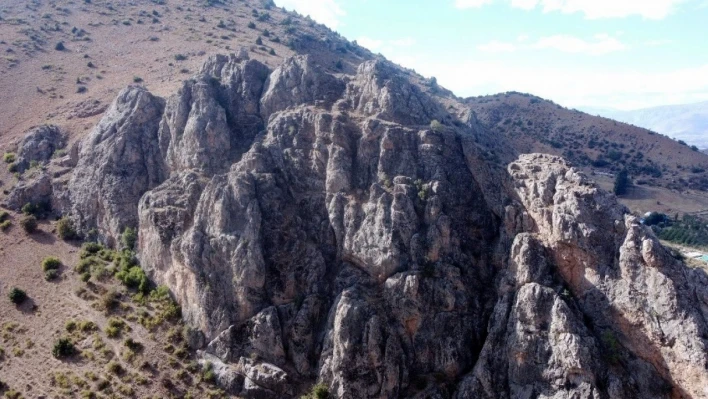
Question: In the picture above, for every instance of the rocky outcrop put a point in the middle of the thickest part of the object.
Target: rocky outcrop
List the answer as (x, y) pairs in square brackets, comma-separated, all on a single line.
[(318, 228), (38, 146), (118, 162), (35, 189)]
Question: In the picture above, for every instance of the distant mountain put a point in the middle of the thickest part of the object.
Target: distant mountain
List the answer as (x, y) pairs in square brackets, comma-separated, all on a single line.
[(688, 122)]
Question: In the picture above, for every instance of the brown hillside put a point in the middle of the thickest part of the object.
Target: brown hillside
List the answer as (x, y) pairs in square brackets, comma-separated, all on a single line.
[(532, 124)]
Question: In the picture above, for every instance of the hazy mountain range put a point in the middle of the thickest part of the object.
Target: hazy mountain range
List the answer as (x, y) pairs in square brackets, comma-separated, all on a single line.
[(687, 122)]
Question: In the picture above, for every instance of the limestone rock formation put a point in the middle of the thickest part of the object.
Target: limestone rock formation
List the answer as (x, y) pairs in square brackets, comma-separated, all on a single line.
[(118, 162), (317, 227), (39, 145)]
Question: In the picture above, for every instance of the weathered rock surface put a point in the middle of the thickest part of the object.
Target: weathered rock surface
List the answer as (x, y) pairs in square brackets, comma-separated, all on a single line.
[(118, 162), (38, 146), (315, 228)]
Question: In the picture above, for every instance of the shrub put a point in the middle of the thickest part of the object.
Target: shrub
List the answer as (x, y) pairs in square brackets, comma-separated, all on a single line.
[(63, 348), (17, 296), (133, 345), (70, 326), (272, 52), (114, 368), (65, 229), (259, 41), (4, 225), (339, 64), (180, 57), (134, 278), (208, 374), (137, 79), (60, 46), (50, 275), (109, 300), (90, 248), (4, 215), (436, 126), (50, 263), (9, 157), (252, 25), (319, 391), (129, 238), (29, 209)]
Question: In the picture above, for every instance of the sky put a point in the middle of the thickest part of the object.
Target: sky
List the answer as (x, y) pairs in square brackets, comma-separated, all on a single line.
[(623, 54)]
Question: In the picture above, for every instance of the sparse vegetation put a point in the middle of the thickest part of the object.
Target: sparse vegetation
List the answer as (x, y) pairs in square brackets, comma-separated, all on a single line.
[(9, 157), (319, 391), (180, 57), (60, 46)]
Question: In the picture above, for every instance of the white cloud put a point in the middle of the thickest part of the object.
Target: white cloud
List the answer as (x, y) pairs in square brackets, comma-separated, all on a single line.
[(327, 12), (592, 9), (522, 38), (602, 44), (569, 86), (497, 47), (472, 3)]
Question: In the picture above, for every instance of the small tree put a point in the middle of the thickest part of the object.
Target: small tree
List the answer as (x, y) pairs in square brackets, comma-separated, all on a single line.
[(17, 296), (63, 348), (65, 229), (29, 223), (129, 237), (259, 41), (622, 183), (436, 126)]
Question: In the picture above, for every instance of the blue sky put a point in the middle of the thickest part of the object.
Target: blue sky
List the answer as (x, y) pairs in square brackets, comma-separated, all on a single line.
[(623, 54)]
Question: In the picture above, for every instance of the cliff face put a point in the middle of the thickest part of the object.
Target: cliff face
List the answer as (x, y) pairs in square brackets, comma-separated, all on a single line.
[(318, 227)]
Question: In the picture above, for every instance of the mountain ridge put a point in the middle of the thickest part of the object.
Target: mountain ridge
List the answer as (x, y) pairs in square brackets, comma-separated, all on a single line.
[(353, 230)]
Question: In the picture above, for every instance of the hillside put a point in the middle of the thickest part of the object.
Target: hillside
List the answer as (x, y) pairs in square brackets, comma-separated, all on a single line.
[(687, 122), (531, 124), (245, 204)]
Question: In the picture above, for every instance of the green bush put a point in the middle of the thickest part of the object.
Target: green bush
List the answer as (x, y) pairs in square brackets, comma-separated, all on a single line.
[(50, 263), (29, 223), (90, 248), (114, 368), (63, 348), (50, 275), (9, 157), (134, 278), (319, 391), (436, 126), (5, 225), (65, 229), (129, 238), (29, 209), (252, 25), (17, 296), (12, 168), (180, 57)]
